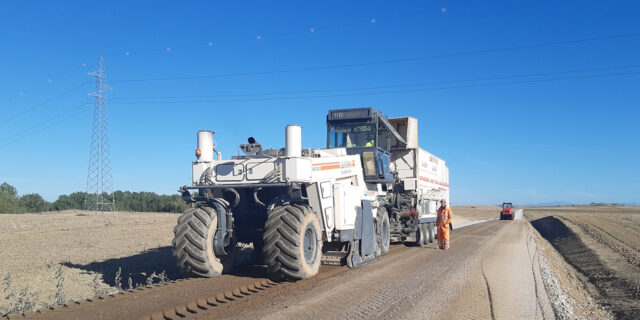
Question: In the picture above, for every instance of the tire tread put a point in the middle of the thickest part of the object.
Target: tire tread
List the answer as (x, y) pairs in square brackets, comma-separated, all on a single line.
[(281, 241), (190, 243)]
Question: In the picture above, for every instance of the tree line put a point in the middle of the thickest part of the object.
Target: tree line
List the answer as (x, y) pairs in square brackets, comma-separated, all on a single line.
[(11, 202)]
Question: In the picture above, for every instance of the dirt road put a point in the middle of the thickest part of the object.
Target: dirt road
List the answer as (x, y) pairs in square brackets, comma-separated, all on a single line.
[(487, 266), (490, 272)]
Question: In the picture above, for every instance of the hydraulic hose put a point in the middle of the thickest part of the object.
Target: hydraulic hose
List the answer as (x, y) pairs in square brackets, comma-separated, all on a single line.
[(236, 195), (255, 197)]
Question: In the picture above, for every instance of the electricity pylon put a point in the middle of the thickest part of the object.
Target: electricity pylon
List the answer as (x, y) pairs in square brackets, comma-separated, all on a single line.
[(99, 196)]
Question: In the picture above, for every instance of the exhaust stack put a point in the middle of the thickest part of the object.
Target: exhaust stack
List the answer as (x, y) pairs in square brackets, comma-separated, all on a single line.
[(205, 146), (293, 141)]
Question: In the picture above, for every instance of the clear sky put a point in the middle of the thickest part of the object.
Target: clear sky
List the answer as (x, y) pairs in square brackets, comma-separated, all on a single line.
[(527, 101)]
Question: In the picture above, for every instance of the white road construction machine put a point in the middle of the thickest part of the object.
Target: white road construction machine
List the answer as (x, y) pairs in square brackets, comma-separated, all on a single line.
[(300, 208)]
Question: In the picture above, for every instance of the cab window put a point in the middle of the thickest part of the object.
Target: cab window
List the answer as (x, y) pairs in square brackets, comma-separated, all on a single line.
[(384, 137), (352, 135)]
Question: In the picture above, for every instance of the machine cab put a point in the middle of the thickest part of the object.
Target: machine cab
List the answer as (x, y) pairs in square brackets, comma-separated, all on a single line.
[(506, 207), (367, 132)]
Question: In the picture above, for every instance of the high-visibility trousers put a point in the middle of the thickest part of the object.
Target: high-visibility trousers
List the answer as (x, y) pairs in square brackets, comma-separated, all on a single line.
[(443, 236)]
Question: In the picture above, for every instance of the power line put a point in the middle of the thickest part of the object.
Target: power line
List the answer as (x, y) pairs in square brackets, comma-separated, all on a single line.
[(388, 92), (43, 103), (312, 28), (401, 60), (43, 125), (49, 80), (29, 131), (384, 87)]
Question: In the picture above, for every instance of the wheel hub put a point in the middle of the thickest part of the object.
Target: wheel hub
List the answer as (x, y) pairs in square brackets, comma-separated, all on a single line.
[(309, 245)]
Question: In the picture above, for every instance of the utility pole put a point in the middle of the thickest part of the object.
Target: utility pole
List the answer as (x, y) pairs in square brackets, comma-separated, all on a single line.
[(99, 196)]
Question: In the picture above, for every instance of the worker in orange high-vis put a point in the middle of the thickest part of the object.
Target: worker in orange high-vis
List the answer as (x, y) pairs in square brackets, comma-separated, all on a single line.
[(443, 222)]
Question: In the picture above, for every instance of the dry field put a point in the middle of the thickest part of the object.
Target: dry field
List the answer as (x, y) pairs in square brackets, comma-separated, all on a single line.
[(603, 244), (464, 214), (88, 249)]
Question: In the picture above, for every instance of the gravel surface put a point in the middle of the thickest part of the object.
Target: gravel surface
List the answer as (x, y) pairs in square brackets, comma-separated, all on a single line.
[(467, 281)]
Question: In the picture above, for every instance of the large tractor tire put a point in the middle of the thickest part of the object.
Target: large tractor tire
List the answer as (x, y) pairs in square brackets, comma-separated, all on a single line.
[(193, 244), (292, 243), (383, 233)]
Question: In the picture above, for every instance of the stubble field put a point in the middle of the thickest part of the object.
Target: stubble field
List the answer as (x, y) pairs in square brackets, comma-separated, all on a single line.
[(81, 252)]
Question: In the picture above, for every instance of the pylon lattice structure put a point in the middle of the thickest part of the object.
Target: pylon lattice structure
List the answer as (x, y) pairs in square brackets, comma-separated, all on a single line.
[(99, 196)]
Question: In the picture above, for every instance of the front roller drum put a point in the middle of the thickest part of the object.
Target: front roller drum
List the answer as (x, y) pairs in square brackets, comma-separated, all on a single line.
[(193, 243), (292, 243)]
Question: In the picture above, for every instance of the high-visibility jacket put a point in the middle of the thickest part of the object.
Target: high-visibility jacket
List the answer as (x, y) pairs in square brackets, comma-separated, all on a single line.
[(443, 221), (444, 217)]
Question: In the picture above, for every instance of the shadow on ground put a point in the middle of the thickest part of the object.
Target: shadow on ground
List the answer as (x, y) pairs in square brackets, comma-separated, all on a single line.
[(140, 266)]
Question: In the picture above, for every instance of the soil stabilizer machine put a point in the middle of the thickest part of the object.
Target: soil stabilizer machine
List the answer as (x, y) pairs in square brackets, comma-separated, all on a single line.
[(301, 208)]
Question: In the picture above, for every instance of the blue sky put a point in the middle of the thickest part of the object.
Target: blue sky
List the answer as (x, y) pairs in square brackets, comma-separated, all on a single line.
[(507, 92)]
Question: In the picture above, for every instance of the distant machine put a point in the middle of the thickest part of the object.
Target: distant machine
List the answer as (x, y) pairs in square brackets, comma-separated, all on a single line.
[(300, 208), (507, 211)]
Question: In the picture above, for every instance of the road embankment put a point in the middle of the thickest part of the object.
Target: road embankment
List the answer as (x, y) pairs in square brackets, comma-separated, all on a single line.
[(601, 257)]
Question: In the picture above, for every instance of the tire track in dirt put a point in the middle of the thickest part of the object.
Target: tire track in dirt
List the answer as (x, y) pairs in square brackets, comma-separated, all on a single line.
[(414, 283), (174, 300), (473, 302), (603, 232), (509, 270), (630, 233), (486, 283)]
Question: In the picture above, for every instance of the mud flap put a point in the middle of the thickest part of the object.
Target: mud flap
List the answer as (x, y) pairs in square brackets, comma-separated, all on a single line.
[(363, 246)]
